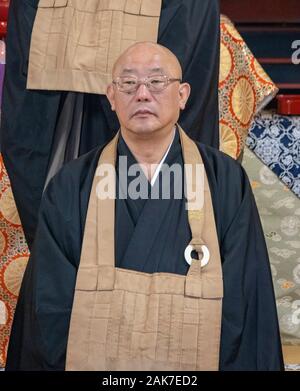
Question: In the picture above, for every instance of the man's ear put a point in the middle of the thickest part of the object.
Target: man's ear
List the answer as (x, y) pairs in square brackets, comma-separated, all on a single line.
[(110, 93), (184, 93)]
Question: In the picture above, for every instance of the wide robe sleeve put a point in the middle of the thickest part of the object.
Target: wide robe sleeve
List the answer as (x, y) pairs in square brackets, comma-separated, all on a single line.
[(40, 329), (250, 338)]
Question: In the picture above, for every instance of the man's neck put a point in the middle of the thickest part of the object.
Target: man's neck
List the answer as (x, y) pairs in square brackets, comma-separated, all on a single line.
[(149, 151)]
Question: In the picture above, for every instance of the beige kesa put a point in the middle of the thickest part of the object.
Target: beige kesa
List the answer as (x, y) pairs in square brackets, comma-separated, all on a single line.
[(129, 320), (75, 43)]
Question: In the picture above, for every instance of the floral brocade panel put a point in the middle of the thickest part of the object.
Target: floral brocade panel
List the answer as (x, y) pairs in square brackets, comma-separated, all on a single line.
[(279, 210), (275, 139), (13, 259), (244, 89)]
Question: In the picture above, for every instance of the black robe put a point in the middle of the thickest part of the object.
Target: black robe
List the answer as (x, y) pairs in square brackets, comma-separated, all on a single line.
[(151, 236), (42, 130)]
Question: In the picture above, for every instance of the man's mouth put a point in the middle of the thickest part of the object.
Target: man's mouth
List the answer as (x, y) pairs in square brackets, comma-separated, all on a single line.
[(142, 113)]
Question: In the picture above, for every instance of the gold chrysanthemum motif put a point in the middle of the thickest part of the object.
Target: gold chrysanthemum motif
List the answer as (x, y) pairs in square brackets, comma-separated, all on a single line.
[(243, 101), (13, 274), (225, 63), (8, 207), (2, 243), (233, 32), (3, 313), (228, 141), (260, 71)]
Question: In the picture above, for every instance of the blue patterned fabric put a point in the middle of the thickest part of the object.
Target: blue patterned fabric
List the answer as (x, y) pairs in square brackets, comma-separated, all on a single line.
[(275, 139)]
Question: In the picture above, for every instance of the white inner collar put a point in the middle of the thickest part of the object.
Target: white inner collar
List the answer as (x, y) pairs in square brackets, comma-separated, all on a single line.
[(162, 161)]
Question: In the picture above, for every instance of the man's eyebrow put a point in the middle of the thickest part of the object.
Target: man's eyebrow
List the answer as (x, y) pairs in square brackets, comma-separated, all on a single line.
[(133, 70), (159, 70), (127, 70)]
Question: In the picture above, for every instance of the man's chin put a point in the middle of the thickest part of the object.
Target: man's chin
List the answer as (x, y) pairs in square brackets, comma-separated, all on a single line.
[(145, 128)]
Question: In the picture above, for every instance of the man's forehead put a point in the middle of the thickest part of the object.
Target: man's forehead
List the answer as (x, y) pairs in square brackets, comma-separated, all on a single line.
[(144, 63)]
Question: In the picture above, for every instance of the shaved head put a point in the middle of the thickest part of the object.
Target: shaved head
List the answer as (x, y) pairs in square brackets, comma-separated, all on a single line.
[(148, 49), (144, 112)]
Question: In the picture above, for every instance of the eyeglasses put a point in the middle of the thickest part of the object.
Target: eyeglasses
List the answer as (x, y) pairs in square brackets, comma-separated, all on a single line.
[(130, 84)]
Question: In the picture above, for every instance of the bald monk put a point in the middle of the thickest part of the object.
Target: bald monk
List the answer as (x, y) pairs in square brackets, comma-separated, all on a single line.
[(43, 130), (147, 283)]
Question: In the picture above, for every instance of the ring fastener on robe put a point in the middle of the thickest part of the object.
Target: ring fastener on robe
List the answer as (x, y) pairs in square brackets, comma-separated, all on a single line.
[(188, 254)]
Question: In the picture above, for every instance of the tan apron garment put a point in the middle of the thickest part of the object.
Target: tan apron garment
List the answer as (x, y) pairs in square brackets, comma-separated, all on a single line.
[(129, 320), (75, 43)]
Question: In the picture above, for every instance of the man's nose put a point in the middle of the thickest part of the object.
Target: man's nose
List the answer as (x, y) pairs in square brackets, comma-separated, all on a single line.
[(142, 93)]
